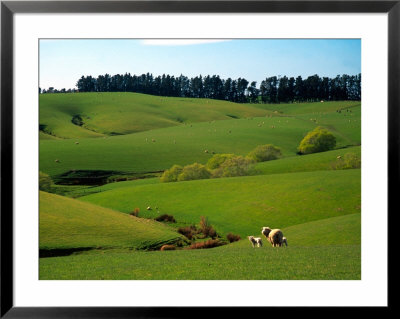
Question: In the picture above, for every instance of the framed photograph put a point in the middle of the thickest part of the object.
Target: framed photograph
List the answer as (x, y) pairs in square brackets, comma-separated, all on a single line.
[(160, 155)]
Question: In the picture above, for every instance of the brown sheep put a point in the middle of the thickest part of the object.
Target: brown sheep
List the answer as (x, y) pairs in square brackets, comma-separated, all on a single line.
[(274, 236)]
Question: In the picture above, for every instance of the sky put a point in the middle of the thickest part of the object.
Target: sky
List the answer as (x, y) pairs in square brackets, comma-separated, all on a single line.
[(63, 62)]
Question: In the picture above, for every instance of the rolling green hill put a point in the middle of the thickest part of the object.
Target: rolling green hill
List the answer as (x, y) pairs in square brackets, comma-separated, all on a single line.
[(70, 224), (327, 249), (122, 113), (243, 205), (96, 135)]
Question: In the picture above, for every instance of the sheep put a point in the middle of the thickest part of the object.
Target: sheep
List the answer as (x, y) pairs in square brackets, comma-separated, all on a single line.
[(76, 142), (274, 236), (339, 157), (258, 241), (252, 240), (57, 161), (153, 140), (148, 208), (284, 241), (255, 241)]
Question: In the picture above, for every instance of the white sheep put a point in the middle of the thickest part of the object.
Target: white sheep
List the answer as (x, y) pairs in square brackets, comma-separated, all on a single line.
[(284, 241), (274, 236), (255, 241), (252, 240), (258, 241)]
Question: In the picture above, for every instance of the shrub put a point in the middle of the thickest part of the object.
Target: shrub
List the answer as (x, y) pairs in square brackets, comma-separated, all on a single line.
[(216, 161), (45, 182), (171, 175), (194, 171), (206, 244), (235, 166), (188, 232), (349, 160), (135, 212), (165, 218), (263, 153), (168, 247), (232, 237), (206, 228), (318, 140)]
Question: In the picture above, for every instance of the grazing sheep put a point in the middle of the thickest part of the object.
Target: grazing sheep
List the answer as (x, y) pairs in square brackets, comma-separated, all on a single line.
[(339, 157), (76, 142), (57, 161), (274, 236), (148, 208), (284, 241), (205, 151)]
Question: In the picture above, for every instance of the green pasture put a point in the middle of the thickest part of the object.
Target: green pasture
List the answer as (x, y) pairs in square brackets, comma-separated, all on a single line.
[(243, 205), (159, 149), (328, 249), (137, 136), (66, 223), (122, 112)]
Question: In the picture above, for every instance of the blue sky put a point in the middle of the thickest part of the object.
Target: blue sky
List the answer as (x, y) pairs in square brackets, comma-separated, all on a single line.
[(63, 62)]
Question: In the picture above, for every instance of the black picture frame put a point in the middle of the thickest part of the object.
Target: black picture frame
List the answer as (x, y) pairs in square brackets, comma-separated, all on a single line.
[(9, 8)]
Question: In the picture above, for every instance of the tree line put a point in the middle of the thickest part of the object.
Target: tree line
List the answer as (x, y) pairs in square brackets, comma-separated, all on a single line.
[(271, 90)]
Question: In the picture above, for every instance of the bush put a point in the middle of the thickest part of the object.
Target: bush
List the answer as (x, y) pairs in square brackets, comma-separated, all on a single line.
[(167, 247), (206, 228), (194, 171), (165, 218), (349, 160), (235, 166), (171, 175), (216, 161), (318, 140), (45, 182), (263, 153), (232, 237), (135, 212), (206, 244), (188, 232)]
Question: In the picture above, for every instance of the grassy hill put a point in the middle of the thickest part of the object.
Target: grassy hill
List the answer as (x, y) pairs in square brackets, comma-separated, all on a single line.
[(70, 224), (122, 113), (325, 250), (158, 149), (318, 209), (243, 205)]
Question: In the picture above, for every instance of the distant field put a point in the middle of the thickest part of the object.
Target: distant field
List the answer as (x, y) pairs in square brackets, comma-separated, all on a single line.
[(185, 144), (244, 204), (123, 113)]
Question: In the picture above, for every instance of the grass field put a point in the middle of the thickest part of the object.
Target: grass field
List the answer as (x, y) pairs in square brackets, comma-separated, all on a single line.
[(68, 224), (323, 259), (92, 236), (244, 204), (106, 114), (184, 144)]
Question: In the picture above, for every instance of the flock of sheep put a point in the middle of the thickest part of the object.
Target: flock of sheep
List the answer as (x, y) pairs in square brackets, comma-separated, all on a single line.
[(274, 236)]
